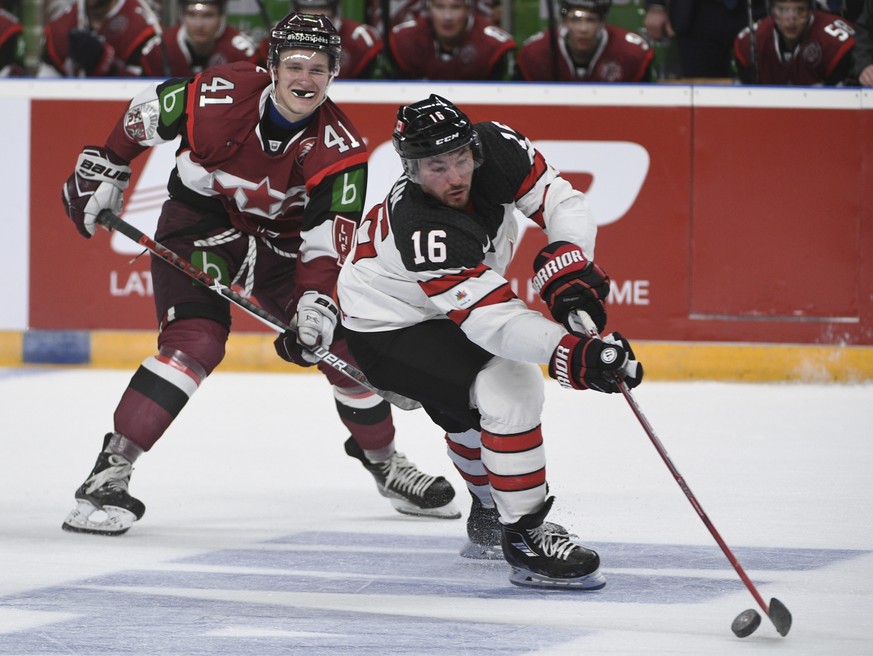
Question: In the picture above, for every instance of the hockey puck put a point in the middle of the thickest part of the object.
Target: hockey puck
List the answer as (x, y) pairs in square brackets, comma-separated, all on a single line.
[(745, 623)]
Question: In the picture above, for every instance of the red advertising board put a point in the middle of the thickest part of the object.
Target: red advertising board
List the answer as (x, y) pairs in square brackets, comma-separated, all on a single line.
[(714, 221)]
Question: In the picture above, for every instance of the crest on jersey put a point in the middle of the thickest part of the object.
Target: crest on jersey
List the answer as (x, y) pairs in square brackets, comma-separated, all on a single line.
[(141, 122), (463, 297), (305, 148), (343, 237)]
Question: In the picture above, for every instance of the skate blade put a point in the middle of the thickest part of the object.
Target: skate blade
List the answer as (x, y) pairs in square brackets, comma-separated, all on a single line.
[(527, 579), (88, 518), (475, 551), (448, 511)]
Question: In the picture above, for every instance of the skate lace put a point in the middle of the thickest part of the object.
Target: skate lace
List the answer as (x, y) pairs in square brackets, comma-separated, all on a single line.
[(116, 476), (403, 476), (551, 542)]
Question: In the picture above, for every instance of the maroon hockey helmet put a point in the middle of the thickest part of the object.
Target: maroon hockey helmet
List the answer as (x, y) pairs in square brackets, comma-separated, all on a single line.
[(220, 4), (308, 32), (599, 7)]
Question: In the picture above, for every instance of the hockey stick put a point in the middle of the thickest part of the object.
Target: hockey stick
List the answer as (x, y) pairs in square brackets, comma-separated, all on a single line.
[(753, 46), (111, 222), (553, 38), (747, 621)]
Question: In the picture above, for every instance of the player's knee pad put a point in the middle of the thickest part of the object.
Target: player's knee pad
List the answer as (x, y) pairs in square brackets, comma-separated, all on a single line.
[(509, 395), (194, 341)]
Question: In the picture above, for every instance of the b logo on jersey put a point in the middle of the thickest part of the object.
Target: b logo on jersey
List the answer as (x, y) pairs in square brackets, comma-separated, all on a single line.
[(347, 194), (343, 237)]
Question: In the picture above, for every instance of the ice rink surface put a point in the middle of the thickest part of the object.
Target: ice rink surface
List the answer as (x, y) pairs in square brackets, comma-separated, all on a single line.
[(262, 537)]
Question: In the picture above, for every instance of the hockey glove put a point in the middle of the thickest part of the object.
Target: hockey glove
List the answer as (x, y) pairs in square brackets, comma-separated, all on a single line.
[(581, 362), (312, 326), (97, 184), (568, 281), (91, 53)]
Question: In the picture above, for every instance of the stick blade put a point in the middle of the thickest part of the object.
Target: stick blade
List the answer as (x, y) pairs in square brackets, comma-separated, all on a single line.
[(780, 616)]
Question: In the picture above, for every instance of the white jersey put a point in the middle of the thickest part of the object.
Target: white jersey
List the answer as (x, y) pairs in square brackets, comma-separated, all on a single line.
[(417, 260)]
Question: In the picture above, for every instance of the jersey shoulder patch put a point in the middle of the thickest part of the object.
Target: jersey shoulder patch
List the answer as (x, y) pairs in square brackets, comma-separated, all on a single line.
[(432, 236)]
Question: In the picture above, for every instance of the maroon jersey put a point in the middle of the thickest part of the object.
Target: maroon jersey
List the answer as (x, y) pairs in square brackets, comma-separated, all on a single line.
[(10, 32), (361, 44), (621, 56), (406, 10), (418, 55), (230, 46), (824, 49), (306, 193)]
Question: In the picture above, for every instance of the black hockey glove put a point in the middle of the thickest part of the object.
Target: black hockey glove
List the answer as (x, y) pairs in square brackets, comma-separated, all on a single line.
[(91, 53), (97, 184), (581, 362), (313, 325), (568, 281)]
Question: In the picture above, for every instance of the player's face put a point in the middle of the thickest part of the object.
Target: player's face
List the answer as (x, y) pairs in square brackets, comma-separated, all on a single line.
[(791, 18), (583, 30), (302, 77), (448, 177), (449, 18), (202, 22)]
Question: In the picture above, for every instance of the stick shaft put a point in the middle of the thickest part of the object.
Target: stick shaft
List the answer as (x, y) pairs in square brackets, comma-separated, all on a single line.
[(112, 222)]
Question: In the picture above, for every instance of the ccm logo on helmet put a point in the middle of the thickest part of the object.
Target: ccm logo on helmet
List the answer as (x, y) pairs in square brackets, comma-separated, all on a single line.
[(553, 266), (447, 139)]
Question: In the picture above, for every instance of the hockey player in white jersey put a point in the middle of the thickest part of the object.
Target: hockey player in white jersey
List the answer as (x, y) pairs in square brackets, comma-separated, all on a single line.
[(428, 313)]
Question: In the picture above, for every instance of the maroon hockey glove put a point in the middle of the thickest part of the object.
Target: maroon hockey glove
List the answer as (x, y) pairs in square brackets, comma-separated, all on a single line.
[(581, 362), (568, 281), (97, 184), (91, 53), (313, 325)]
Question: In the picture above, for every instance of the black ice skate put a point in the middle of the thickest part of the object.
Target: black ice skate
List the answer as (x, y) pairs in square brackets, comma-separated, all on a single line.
[(544, 555), (104, 507), (410, 491), (484, 533)]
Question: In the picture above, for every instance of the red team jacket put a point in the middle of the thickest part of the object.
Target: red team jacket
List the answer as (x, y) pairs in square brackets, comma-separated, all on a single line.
[(823, 50), (361, 44), (415, 51), (311, 192), (9, 28), (231, 46), (127, 29), (622, 56)]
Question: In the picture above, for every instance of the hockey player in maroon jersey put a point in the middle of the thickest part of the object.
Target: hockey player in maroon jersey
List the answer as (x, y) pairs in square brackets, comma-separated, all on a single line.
[(585, 48), (202, 38), (362, 44), (404, 10), (266, 193), (796, 45), (10, 45), (451, 42), (107, 40), (428, 313)]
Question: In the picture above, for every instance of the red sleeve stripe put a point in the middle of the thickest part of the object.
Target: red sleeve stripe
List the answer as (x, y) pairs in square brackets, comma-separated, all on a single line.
[(147, 33), (841, 53), (444, 283), (189, 109), (337, 167), (513, 443), (502, 294), (536, 172), (517, 483)]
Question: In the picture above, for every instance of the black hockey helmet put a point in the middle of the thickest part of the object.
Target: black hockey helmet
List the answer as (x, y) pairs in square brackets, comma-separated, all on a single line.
[(432, 127), (308, 32), (599, 7)]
